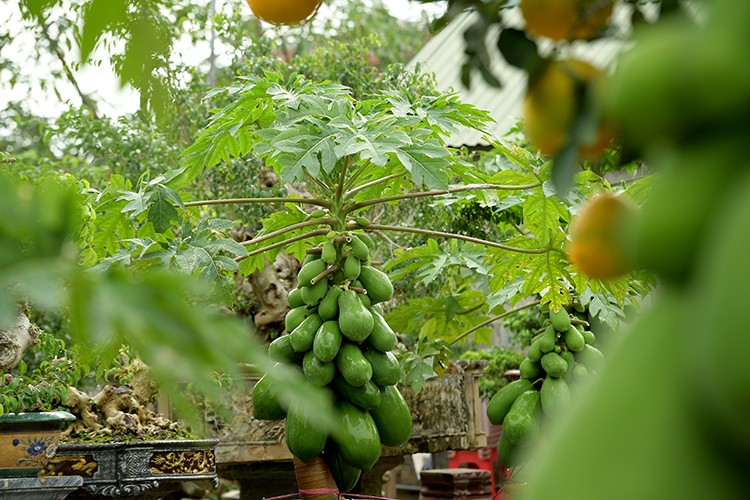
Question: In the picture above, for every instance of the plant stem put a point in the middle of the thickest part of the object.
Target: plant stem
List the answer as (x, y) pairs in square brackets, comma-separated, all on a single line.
[(366, 185), (311, 234), (328, 271), (439, 192), (492, 320), (440, 234), (231, 201), (313, 222)]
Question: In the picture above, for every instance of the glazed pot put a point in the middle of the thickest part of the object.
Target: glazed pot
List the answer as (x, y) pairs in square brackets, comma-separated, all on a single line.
[(29, 440)]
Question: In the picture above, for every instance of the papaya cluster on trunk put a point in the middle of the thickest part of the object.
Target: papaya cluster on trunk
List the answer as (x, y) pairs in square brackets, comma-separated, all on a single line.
[(337, 335), (560, 356)]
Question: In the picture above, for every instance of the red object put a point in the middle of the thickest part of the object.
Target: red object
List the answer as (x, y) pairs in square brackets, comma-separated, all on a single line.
[(483, 458)]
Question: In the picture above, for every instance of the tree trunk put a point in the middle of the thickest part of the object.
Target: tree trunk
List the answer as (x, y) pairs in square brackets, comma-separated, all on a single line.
[(314, 479), (15, 341)]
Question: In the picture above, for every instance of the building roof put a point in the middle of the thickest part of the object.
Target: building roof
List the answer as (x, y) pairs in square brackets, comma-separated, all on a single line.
[(444, 54)]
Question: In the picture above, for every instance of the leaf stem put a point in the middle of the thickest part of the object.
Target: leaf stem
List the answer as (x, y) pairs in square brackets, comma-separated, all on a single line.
[(440, 234), (439, 192), (327, 271), (311, 234), (230, 201), (313, 222), (366, 185), (492, 320)]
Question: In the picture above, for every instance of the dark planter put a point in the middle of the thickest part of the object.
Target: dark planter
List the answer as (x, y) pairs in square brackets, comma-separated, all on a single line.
[(28, 441), (144, 469)]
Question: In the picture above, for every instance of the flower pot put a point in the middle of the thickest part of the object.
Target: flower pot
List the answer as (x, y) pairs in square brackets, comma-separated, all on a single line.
[(28, 441)]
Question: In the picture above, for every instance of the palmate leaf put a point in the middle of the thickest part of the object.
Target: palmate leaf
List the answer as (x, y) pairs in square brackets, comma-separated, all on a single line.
[(431, 260), (427, 163), (548, 277), (161, 212), (543, 216)]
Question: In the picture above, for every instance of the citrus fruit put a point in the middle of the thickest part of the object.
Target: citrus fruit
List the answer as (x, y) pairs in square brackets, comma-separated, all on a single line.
[(284, 11), (600, 236), (566, 19), (551, 103)]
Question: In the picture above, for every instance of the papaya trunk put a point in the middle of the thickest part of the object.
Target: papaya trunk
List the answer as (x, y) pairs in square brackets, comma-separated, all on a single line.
[(314, 479)]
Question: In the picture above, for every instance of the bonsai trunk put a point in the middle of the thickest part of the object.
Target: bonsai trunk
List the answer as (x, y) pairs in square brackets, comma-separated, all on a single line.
[(16, 340), (314, 480)]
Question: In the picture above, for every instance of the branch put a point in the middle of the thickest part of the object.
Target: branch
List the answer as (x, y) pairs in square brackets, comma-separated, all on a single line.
[(439, 192), (313, 222), (440, 234), (231, 201), (492, 320), (311, 234)]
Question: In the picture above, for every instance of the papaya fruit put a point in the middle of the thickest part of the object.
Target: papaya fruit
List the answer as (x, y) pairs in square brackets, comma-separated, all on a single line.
[(382, 337), (574, 339), (365, 396), (302, 337), (376, 282), (352, 267), (503, 399), (555, 397), (357, 436), (345, 475), (359, 248), (548, 340), (311, 295), (530, 370), (281, 350), (506, 451), (385, 367), (554, 364), (365, 238), (328, 252), (355, 320), (294, 298), (588, 336), (296, 316), (327, 341), (310, 257), (535, 351), (318, 373), (305, 438), (570, 359), (591, 357), (266, 405), (353, 365), (328, 308), (309, 271), (560, 319), (392, 417), (521, 423)]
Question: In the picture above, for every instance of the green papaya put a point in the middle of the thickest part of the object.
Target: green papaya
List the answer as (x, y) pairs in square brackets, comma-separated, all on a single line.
[(521, 423), (310, 257), (352, 267), (382, 337), (294, 298), (318, 373), (588, 336), (392, 417), (302, 336), (365, 300), (357, 436), (555, 397), (570, 360), (365, 396), (355, 320), (506, 451), (353, 365), (305, 438), (366, 240), (535, 351), (327, 341), (328, 252), (328, 308), (281, 350), (311, 295), (345, 475), (309, 271), (560, 319), (376, 282), (591, 357), (296, 316), (554, 364), (266, 405), (574, 339), (503, 399), (359, 248), (385, 367), (530, 370), (548, 340)]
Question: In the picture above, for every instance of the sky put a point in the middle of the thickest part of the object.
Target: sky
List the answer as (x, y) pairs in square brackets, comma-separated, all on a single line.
[(100, 82)]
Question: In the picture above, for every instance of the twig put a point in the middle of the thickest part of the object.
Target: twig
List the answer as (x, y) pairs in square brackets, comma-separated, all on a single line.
[(311, 234), (234, 201), (313, 222), (492, 320)]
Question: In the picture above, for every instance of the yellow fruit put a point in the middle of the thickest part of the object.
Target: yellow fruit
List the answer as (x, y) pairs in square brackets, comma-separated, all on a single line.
[(600, 236), (284, 11), (566, 19), (550, 105)]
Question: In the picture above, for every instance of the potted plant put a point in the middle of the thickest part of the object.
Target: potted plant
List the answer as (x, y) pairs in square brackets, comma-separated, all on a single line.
[(30, 398)]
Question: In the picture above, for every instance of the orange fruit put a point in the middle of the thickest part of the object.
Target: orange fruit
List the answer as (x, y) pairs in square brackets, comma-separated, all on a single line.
[(550, 106), (566, 19), (601, 235), (284, 11)]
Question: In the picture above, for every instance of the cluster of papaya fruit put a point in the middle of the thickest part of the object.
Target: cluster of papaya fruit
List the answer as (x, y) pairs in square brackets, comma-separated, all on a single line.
[(561, 355), (337, 335)]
